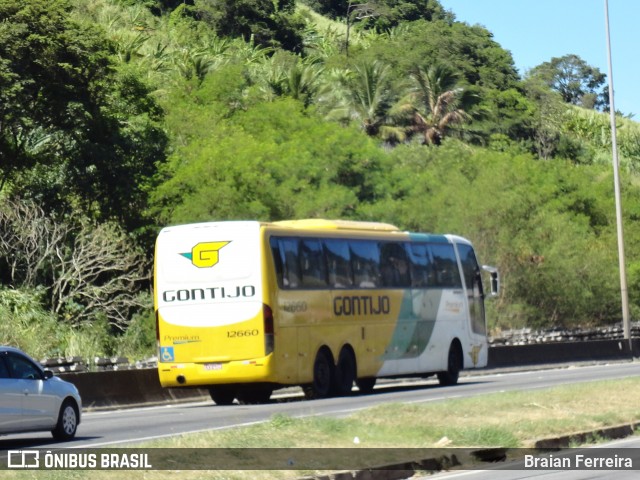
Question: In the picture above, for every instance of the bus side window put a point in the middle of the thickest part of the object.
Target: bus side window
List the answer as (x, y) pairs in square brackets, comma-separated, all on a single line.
[(394, 265), (445, 264), (470, 269), (277, 258), (338, 263), (312, 264), (365, 261), (473, 282), (422, 274), (289, 259)]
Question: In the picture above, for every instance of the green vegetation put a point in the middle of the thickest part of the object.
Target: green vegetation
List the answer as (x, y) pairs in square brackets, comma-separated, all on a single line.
[(511, 419), (119, 117)]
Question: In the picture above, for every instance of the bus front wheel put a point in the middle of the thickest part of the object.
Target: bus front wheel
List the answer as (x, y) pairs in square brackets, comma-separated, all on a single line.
[(454, 365), (323, 377)]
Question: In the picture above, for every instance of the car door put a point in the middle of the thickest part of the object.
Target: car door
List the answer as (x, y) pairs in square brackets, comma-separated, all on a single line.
[(10, 399), (37, 401)]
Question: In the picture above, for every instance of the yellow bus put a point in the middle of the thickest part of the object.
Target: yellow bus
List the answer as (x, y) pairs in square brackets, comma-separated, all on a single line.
[(246, 307)]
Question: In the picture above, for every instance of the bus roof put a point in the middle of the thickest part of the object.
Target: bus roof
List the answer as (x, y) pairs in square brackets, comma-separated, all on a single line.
[(320, 223), (311, 224)]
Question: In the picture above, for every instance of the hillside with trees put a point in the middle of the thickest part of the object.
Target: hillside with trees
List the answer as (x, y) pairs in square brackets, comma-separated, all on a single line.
[(118, 117)]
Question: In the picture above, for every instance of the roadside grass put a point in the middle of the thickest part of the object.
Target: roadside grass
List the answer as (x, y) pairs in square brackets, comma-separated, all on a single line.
[(508, 419)]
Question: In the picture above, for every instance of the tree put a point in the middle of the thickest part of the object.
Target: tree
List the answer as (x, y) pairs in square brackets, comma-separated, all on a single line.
[(45, 69), (284, 74), (434, 101), (578, 82), (499, 112), (90, 271), (547, 226), (359, 11), (98, 275), (547, 116), (470, 52), (270, 23), (277, 160), (367, 97), (73, 129), (395, 11)]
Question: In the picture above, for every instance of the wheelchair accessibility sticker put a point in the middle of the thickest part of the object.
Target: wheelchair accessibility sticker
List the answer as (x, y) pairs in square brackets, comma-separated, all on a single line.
[(166, 354)]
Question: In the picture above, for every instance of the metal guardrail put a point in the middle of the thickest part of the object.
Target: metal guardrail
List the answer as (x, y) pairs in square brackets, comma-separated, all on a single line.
[(528, 336), (61, 365), (99, 364)]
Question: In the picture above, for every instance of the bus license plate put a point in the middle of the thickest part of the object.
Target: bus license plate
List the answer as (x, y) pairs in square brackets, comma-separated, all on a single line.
[(213, 366)]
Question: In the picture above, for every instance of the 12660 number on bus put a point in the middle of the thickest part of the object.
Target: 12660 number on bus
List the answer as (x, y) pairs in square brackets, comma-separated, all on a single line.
[(242, 333)]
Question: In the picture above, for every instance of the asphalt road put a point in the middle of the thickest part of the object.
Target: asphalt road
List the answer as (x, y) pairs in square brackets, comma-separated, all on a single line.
[(120, 427)]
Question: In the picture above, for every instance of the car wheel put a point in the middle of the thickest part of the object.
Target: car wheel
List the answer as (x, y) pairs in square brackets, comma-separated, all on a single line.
[(67, 421)]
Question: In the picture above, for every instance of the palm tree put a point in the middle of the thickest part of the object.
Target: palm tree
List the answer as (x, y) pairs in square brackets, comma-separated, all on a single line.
[(434, 102), (367, 96), (303, 82), (299, 79)]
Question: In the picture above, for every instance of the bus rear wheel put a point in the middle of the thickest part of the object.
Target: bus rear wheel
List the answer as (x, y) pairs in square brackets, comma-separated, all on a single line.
[(365, 385), (222, 395), (254, 396), (323, 377), (345, 372), (454, 365)]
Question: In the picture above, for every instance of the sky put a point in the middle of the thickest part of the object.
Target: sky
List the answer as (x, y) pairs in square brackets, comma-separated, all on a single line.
[(534, 31)]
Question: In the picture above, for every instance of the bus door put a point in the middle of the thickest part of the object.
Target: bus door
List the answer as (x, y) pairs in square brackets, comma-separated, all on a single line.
[(475, 297)]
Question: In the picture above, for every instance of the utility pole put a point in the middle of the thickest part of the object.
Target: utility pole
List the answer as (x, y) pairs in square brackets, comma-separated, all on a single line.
[(616, 180)]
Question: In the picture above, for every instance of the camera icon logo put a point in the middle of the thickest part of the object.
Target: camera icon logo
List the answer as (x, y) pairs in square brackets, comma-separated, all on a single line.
[(23, 459)]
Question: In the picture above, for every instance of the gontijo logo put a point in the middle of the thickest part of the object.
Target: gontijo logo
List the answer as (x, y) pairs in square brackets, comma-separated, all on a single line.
[(205, 254)]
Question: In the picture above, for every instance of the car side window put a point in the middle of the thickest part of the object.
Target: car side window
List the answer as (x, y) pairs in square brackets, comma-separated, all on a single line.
[(4, 370), (22, 368)]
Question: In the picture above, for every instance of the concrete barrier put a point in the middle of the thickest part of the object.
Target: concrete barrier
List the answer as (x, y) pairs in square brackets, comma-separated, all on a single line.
[(560, 352), (126, 388)]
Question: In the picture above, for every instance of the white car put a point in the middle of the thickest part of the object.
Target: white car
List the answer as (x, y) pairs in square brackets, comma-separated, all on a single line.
[(33, 399)]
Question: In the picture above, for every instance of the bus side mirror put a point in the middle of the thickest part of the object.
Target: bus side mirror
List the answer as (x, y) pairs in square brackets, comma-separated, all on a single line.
[(494, 280)]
